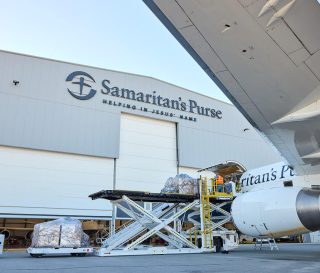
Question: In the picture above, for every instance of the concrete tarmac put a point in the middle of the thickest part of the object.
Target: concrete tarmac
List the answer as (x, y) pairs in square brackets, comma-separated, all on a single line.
[(291, 258)]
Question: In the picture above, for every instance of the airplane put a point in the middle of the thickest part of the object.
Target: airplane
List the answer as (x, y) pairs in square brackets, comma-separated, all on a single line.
[(275, 202), (265, 56)]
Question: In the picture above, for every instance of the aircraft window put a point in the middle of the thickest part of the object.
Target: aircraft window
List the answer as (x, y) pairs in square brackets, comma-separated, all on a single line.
[(288, 183)]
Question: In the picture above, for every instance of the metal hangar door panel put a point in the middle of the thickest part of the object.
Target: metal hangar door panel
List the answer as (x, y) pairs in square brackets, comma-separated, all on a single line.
[(148, 153), (49, 185)]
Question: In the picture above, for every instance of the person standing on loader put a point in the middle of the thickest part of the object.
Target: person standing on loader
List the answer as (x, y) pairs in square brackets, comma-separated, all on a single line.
[(219, 183)]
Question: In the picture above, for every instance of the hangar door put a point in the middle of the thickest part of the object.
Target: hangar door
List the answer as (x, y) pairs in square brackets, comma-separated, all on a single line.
[(49, 185), (148, 153)]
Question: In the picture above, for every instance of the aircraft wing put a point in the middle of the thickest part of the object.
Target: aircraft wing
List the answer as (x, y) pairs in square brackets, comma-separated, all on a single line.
[(265, 56)]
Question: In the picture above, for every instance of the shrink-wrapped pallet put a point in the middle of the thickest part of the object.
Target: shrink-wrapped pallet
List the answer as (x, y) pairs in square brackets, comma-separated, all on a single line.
[(46, 235), (71, 234), (181, 183), (170, 186), (85, 240), (63, 232)]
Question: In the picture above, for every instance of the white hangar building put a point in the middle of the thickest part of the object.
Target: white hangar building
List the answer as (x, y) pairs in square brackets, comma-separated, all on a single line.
[(69, 130)]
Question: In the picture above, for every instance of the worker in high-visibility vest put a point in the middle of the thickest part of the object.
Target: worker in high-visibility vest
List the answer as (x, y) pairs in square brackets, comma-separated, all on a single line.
[(219, 183)]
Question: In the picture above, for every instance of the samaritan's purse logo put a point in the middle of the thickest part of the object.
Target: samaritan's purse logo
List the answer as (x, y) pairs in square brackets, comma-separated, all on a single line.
[(85, 90), (80, 84)]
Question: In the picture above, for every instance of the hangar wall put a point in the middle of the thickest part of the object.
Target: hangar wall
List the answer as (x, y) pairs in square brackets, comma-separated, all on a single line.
[(68, 130)]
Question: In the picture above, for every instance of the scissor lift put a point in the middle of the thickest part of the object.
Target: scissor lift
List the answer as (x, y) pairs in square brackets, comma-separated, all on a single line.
[(145, 224), (167, 210)]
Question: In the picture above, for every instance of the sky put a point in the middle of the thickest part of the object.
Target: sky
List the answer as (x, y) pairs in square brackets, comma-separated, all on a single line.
[(122, 35)]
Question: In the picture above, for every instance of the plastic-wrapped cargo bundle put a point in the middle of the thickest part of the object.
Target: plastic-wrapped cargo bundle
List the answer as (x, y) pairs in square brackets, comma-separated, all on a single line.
[(186, 184), (181, 183), (63, 232), (71, 233), (170, 186), (85, 240), (46, 235)]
